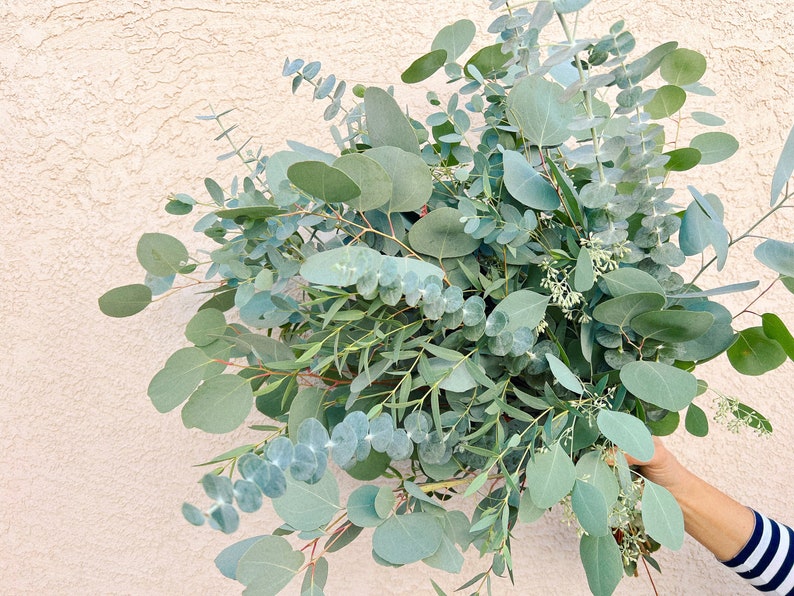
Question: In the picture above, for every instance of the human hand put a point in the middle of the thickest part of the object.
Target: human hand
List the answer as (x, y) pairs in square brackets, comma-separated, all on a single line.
[(663, 468)]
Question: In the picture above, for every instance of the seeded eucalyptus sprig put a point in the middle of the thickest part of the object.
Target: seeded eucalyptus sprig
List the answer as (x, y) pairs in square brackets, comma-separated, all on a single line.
[(478, 305)]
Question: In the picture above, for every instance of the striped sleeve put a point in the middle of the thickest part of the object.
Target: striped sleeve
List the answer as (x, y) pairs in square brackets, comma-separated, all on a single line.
[(767, 560)]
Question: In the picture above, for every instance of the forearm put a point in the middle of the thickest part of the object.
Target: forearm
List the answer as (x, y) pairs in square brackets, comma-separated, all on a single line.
[(718, 522)]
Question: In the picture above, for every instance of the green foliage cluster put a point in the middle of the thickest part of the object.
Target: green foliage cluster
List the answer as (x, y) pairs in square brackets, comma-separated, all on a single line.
[(481, 304)]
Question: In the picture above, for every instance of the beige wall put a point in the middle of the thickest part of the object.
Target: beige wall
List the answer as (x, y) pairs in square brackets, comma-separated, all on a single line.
[(97, 106)]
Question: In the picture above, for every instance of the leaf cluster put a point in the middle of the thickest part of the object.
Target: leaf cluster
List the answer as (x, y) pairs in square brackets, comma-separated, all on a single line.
[(479, 304)]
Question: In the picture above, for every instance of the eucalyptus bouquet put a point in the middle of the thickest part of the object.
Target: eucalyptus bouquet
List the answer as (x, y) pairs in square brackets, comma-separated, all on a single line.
[(480, 305)]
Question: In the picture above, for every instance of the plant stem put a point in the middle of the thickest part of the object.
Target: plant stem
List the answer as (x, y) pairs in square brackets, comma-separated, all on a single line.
[(588, 100)]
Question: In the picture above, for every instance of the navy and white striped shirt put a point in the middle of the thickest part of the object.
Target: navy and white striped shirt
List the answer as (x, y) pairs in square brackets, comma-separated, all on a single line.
[(767, 560)]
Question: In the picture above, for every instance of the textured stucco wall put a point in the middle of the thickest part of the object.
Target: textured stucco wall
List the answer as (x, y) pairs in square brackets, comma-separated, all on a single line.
[(97, 106)]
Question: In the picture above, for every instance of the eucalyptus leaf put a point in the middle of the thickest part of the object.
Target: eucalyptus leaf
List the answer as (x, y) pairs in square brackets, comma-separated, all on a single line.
[(753, 353), (774, 328), (535, 106), (672, 325), (373, 181), (308, 506), (412, 183), (219, 405), (628, 280), (550, 476), (627, 432), (327, 183), (621, 310), (777, 255), (683, 67), (454, 38), (526, 185), (269, 565), (440, 234), (404, 539), (602, 563), (660, 384), (590, 508), (662, 516), (714, 147), (387, 125), (784, 169), (424, 66), (161, 254), (524, 308), (125, 301), (180, 376)]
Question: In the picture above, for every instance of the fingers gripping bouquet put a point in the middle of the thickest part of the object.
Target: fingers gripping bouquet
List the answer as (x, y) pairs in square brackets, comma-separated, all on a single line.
[(478, 305)]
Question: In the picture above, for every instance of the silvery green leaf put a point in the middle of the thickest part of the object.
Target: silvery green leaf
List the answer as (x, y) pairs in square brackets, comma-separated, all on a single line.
[(280, 452), (248, 495), (401, 446), (784, 168)]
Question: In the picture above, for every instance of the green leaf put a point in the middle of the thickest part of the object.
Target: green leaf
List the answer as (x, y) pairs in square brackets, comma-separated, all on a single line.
[(253, 213), (125, 301), (524, 308), (536, 107), (322, 181), (660, 384), (384, 501), (370, 177), (565, 6), (387, 126), (592, 468), (412, 182), (603, 563), (440, 234), (219, 405), (621, 310), (408, 538), (777, 255), (682, 159), (550, 476), (277, 180), (683, 67), (753, 353), (447, 557), (716, 340), (784, 168), (454, 38), (672, 325), (629, 280), (214, 190), (424, 67), (205, 327), (714, 146), (564, 375), (161, 254), (307, 404), (583, 275), (775, 328), (528, 512), (361, 507), (696, 421), (182, 373), (526, 185), (707, 119), (662, 516), (308, 506), (340, 266), (627, 432), (269, 565), (228, 559), (487, 59), (264, 348), (667, 100), (590, 508), (315, 578)]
